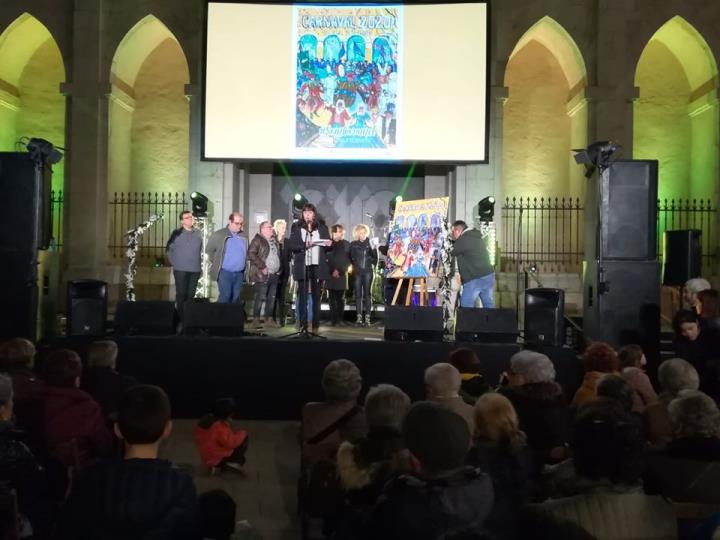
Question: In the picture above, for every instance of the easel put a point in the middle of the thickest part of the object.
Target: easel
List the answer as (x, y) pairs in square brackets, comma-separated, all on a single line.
[(424, 298)]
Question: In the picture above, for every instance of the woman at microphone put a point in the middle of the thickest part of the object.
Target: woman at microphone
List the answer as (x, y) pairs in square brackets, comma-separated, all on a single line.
[(309, 239)]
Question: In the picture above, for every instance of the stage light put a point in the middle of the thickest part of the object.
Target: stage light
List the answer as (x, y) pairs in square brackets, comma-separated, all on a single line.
[(42, 150), (486, 209), (394, 202), (199, 204), (299, 201)]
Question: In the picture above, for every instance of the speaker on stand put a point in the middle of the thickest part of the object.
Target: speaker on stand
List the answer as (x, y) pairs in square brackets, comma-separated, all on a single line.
[(545, 317)]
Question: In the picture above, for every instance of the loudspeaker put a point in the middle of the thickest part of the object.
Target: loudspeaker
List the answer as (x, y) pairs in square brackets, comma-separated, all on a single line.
[(629, 309), (683, 256), (213, 319), (18, 316), (413, 323), (627, 212), (544, 317), (486, 325), (145, 318), (86, 307)]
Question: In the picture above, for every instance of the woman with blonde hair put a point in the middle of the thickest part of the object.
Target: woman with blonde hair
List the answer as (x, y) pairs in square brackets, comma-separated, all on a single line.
[(363, 258)]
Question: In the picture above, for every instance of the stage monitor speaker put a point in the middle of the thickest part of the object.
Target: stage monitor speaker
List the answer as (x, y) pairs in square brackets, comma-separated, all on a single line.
[(413, 323), (145, 318), (86, 307), (213, 319), (486, 325), (629, 310), (545, 317), (682, 253)]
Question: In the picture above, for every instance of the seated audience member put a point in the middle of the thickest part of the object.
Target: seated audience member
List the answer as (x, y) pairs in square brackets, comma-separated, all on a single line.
[(632, 363), (708, 308), (71, 423), (140, 496), (599, 358), (17, 357), (339, 418), (20, 471), (688, 469), (603, 494), (500, 449), (442, 385), (540, 405), (473, 385), (366, 465), (445, 498), (674, 375), (100, 379), (219, 445), (216, 510), (700, 347), (692, 288)]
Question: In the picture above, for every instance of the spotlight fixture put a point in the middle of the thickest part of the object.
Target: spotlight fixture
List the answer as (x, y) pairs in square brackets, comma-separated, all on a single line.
[(299, 200), (596, 156), (43, 151), (486, 209), (199, 204), (394, 202)]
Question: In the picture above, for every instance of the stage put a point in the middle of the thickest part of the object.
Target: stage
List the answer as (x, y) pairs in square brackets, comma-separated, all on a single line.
[(271, 377)]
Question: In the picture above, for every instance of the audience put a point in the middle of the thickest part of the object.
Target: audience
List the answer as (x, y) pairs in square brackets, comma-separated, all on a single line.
[(692, 288), (17, 357), (632, 363), (473, 384), (444, 498), (442, 385), (708, 308), (220, 447), (540, 405), (700, 347), (599, 358), (615, 389), (674, 375), (139, 496), (101, 380), (217, 511)]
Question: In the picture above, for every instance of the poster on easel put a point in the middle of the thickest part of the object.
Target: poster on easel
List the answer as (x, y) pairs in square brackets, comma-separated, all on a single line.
[(417, 239)]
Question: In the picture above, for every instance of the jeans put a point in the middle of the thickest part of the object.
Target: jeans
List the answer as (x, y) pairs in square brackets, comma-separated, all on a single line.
[(311, 273), (362, 293), (482, 287), (337, 305), (229, 286), (185, 285), (265, 296)]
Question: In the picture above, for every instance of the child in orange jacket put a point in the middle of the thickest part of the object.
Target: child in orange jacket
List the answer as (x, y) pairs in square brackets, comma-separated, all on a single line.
[(218, 444)]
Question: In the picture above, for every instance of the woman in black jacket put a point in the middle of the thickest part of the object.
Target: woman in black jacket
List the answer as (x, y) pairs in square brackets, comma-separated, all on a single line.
[(336, 284), (363, 257)]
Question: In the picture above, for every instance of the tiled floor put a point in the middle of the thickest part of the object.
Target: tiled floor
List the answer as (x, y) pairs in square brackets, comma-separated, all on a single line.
[(265, 496)]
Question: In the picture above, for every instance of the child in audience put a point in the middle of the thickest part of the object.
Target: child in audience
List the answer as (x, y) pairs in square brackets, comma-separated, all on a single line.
[(220, 446)]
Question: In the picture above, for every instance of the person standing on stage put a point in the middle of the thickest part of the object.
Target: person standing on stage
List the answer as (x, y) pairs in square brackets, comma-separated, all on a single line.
[(227, 251), (184, 250), (337, 283), (309, 238), (280, 226), (363, 258), (263, 270), (473, 263)]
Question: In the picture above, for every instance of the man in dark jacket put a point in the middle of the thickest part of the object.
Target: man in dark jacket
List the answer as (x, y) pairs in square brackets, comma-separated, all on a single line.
[(227, 250), (141, 496), (473, 261), (184, 248), (264, 267)]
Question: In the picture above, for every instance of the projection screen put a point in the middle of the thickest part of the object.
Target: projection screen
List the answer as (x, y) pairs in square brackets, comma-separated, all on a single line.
[(346, 81)]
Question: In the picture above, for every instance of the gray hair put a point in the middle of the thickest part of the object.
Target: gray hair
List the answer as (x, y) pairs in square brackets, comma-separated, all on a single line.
[(385, 406), (102, 354), (695, 285), (6, 389), (443, 379), (263, 223), (341, 380), (534, 366), (694, 414), (677, 374)]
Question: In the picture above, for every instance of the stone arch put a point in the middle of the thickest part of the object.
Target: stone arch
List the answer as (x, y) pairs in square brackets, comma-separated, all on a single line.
[(149, 113), (545, 115), (31, 71), (676, 115)]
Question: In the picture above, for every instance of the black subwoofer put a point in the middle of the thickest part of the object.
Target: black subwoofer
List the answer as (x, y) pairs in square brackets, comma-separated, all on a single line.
[(413, 323)]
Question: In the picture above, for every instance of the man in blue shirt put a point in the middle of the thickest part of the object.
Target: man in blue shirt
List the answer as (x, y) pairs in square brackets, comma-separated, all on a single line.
[(227, 251)]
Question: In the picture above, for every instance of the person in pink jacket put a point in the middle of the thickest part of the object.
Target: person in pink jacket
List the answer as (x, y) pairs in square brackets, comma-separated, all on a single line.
[(220, 446), (632, 363)]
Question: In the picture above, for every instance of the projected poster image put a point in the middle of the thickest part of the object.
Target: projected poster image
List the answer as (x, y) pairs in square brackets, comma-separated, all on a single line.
[(417, 239), (347, 81)]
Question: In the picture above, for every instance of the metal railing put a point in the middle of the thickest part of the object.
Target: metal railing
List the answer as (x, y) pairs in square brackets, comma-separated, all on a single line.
[(675, 214), (57, 200)]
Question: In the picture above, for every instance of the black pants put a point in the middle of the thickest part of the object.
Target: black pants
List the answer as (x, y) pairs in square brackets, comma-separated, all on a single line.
[(238, 455), (337, 305), (313, 283), (185, 285), (362, 293), (280, 308), (265, 296)]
